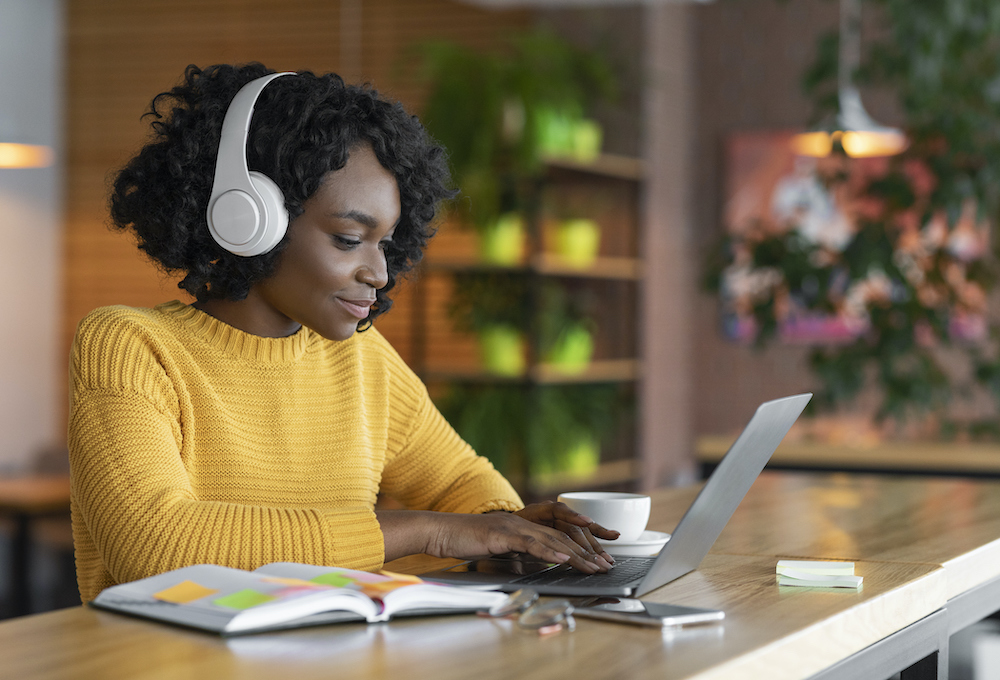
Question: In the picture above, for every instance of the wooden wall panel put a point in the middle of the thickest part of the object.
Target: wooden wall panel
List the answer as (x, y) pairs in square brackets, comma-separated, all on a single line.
[(121, 53)]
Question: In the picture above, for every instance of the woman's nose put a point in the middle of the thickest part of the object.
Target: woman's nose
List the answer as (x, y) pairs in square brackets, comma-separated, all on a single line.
[(375, 271)]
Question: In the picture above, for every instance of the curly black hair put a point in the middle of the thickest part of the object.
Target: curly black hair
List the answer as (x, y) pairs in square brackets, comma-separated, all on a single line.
[(303, 127)]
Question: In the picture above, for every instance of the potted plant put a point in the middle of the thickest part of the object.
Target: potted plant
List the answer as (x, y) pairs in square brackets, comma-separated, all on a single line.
[(565, 328), (499, 306), (572, 224), (495, 306), (578, 240)]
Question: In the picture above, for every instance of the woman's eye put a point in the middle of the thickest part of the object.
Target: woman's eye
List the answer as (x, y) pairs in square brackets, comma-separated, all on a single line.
[(345, 243)]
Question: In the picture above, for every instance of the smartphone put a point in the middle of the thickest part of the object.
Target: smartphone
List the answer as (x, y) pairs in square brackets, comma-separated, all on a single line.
[(649, 613)]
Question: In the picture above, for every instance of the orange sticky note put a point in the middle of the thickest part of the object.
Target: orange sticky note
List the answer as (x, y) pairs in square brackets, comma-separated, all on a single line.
[(183, 592)]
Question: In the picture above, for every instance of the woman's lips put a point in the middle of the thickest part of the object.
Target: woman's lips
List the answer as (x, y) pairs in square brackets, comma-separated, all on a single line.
[(357, 308)]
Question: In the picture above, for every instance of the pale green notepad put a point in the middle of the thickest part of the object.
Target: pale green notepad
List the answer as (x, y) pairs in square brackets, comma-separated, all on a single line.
[(817, 574)]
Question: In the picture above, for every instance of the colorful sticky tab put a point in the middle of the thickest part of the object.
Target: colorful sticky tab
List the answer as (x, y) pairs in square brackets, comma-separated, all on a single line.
[(367, 577), (286, 581), (406, 578), (333, 578), (243, 599), (377, 590), (184, 592)]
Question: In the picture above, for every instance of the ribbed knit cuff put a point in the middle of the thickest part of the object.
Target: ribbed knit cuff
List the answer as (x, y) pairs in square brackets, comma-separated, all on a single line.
[(498, 504), (354, 539)]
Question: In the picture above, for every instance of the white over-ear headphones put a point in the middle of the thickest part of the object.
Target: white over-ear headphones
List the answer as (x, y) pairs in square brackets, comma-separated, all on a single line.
[(246, 213)]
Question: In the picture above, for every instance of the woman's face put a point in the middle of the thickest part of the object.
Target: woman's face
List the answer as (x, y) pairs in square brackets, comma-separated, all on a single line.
[(334, 261)]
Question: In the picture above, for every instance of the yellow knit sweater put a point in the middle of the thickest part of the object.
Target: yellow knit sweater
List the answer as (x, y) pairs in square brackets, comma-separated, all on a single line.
[(193, 442)]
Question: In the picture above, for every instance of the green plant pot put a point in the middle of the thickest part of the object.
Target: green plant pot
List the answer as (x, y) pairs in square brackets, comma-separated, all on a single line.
[(501, 350), (579, 459), (555, 133), (583, 457), (587, 139), (567, 136), (503, 241), (573, 351), (578, 241)]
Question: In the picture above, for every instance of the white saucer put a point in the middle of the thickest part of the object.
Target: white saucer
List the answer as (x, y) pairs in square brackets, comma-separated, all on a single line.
[(648, 544)]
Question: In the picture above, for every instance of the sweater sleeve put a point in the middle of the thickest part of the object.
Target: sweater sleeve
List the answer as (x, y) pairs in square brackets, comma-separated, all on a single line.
[(134, 497), (429, 467), (136, 511)]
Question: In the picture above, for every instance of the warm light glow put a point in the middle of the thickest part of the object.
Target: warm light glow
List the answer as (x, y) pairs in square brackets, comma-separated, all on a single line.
[(816, 144), (24, 156), (856, 143), (864, 144)]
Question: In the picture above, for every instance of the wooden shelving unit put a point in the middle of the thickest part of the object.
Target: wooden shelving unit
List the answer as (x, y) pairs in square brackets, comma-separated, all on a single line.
[(549, 264), (614, 277), (616, 473), (609, 165), (610, 370)]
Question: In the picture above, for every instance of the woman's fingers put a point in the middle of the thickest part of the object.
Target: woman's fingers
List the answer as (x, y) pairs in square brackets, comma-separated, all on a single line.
[(599, 531), (456, 535), (561, 553), (543, 542), (560, 512), (586, 539), (583, 556)]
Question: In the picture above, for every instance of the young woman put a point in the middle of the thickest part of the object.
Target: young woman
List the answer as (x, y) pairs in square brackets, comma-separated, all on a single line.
[(259, 423)]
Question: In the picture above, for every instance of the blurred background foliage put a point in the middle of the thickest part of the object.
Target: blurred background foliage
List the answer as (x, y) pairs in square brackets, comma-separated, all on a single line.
[(538, 431), (941, 60), (490, 109)]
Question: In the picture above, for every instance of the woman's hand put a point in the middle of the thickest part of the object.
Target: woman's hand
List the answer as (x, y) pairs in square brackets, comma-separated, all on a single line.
[(583, 530), (446, 534)]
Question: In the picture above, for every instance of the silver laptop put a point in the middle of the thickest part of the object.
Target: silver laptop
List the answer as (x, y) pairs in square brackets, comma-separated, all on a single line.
[(688, 545)]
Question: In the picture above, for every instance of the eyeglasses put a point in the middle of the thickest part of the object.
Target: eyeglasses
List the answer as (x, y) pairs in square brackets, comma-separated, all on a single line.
[(548, 617)]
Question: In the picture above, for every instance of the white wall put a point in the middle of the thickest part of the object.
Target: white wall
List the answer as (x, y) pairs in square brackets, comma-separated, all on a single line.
[(31, 68)]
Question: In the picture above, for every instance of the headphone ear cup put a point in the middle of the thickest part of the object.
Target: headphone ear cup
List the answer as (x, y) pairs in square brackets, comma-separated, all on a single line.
[(276, 222)]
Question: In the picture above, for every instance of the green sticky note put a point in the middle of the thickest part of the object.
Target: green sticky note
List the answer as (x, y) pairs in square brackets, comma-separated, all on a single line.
[(243, 599), (334, 579)]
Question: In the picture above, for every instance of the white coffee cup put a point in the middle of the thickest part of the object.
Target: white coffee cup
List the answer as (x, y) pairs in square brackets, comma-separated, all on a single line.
[(626, 513)]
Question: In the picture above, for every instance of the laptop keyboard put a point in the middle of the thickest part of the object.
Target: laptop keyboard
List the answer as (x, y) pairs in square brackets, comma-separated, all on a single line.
[(626, 570)]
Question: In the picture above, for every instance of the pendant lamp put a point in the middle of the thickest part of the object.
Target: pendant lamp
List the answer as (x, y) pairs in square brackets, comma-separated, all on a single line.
[(858, 134)]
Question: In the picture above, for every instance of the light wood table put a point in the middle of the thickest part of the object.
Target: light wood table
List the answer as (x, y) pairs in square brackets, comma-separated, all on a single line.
[(952, 522), (769, 632), (24, 499)]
